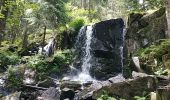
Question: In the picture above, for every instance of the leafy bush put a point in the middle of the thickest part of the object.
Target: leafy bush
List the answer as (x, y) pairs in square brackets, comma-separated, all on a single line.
[(154, 59), (15, 77), (76, 24), (46, 66), (8, 58), (105, 96), (63, 57)]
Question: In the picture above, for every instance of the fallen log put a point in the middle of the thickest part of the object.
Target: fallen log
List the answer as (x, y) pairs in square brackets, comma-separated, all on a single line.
[(34, 87)]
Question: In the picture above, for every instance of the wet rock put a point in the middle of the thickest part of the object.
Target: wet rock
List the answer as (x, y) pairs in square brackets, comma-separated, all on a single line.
[(29, 76), (67, 93), (106, 48), (50, 94), (117, 79), (86, 84), (75, 85), (47, 83), (31, 49)]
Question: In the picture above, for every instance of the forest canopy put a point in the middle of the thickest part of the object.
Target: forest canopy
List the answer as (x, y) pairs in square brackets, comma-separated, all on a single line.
[(21, 18)]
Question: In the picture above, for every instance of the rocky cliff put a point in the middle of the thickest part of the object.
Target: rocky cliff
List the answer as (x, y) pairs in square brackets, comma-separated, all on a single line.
[(143, 29)]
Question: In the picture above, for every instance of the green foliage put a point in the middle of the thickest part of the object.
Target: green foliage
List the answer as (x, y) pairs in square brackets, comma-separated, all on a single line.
[(15, 77), (76, 24), (76, 13), (7, 58), (137, 6), (156, 50), (105, 96), (159, 52), (63, 57), (45, 66), (139, 98), (2, 16), (146, 96)]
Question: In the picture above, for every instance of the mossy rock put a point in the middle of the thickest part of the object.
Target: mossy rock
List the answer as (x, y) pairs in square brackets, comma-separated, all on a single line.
[(155, 56)]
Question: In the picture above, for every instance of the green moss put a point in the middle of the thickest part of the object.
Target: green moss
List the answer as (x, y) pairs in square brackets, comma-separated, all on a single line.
[(156, 51)]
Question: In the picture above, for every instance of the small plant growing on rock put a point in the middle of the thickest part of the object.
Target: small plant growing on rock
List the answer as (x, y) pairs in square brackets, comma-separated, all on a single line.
[(15, 77)]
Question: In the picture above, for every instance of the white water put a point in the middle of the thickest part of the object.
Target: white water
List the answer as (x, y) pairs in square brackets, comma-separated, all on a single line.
[(84, 75)]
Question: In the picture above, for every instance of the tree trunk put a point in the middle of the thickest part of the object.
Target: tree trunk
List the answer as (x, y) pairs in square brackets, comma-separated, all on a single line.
[(25, 36), (167, 4), (13, 34), (89, 10), (2, 20), (0, 39), (43, 41)]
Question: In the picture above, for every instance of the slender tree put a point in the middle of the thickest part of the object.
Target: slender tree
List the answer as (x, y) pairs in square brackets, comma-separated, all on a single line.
[(167, 4)]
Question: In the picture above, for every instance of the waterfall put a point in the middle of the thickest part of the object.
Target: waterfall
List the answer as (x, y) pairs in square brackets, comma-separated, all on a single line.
[(84, 74), (48, 50), (98, 51), (86, 60)]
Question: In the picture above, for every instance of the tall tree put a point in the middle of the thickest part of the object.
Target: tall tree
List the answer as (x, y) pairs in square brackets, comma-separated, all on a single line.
[(51, 14), (3, 15), (167, 4)]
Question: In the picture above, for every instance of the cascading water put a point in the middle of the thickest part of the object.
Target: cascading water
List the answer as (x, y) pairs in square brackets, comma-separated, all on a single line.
[(99, 51), (84, 75)]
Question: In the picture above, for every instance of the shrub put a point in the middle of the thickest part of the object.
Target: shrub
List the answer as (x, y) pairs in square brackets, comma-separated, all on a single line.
[(46, 66), (76, 24), (15, 77), (8, 58), (105, 96)]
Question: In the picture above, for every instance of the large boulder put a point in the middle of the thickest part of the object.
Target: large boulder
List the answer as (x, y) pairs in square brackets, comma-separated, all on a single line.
[(143, 29), (50, 94), (106, 48), (119, 87)]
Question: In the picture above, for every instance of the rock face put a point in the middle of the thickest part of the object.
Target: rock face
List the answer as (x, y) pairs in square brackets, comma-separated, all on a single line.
[(13, 96), (106, 48), (50, 94), (29, 76), (143, 29), (120, 87)]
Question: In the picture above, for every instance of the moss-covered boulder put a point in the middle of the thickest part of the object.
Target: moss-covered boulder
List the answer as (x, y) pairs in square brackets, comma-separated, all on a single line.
[(155, 58), (145, 28)]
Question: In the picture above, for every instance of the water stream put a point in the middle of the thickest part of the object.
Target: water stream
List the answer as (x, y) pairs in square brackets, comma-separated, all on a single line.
[(84, 75)]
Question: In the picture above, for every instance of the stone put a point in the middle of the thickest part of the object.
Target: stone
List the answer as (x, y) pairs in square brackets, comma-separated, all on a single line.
[(12, 96), (106, 48), (136, 62), (50, 94), (126, 89), (29, 76), (75, 85), (117, 79), (31, 49), (138, 74), (143, 29), (67, 93), (47, 83)]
